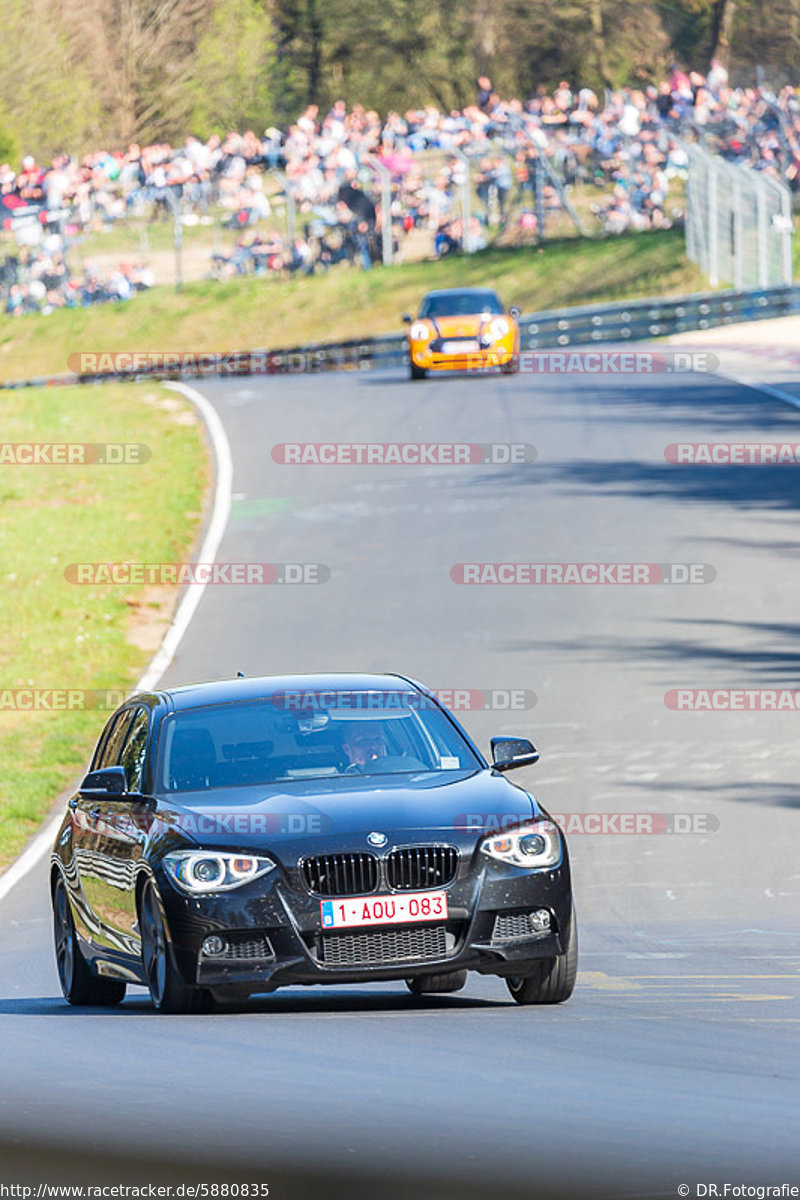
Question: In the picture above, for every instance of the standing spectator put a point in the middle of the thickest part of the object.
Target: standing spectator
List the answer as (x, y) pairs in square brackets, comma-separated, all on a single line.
[(484, 93)]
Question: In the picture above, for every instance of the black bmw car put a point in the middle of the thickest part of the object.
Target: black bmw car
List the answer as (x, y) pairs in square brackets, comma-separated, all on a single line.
[(240, 836)]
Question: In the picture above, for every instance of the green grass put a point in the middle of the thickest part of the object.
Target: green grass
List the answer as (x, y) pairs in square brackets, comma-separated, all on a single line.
[(255, 313), (61, 635)]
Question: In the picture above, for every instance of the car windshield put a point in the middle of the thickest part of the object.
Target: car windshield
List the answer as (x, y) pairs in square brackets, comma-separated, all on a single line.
[(460, 304), (304, 735)]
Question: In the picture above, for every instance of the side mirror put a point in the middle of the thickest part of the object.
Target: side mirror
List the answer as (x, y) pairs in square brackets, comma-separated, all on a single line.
[(510, 752), (406, 318), (109, 784), (514, 311)]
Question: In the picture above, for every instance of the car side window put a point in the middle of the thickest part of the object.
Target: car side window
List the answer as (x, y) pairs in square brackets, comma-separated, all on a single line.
[(113, 741), (102, 742), (135, 749)]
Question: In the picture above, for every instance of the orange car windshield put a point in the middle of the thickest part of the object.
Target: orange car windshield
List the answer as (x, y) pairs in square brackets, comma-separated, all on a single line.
[(460, 304)]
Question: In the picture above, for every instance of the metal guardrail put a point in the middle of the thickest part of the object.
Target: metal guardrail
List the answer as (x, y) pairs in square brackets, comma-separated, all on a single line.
[(633, 320)]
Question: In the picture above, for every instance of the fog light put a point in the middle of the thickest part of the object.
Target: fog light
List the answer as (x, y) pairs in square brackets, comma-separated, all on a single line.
[(213, 946), (539, 920)]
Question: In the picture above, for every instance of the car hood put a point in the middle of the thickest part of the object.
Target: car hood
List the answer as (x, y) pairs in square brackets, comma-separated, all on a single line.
[(341, 812), (449, 327)]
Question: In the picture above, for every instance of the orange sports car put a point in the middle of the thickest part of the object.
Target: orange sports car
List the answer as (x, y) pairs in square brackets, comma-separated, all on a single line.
[(462, 329)]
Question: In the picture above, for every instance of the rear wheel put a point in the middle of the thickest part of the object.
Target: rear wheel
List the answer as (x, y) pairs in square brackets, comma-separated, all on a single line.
[(78, 983), (553, 979), (167, 990), (416, 372), (423, 985)]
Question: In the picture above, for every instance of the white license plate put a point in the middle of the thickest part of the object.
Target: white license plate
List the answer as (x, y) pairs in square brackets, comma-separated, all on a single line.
[(383, 910), (460, 347)]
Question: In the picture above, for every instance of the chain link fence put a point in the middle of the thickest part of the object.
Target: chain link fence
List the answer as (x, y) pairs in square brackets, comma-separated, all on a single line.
[(738, 223)]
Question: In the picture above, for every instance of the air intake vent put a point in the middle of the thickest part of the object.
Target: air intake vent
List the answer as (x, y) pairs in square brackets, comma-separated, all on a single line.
[(383, 947), (341, 874), (508, 926), (421, 867)]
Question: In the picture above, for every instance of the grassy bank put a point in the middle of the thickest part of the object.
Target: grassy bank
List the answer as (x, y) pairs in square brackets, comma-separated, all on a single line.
[(247, 313), (58, 634)]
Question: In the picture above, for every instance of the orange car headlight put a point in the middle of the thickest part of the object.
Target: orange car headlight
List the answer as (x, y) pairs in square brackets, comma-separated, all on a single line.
[(420, 332), (498, 328)]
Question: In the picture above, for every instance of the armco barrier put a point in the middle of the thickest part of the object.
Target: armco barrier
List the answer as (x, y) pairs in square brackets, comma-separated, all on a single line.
[(633, 320)]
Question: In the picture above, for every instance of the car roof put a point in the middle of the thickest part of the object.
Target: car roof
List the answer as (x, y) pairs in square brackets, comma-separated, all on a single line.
[(228, 691), (462, 291)]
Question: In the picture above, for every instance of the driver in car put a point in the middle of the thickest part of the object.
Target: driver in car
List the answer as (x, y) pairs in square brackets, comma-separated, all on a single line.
[(363, 744)]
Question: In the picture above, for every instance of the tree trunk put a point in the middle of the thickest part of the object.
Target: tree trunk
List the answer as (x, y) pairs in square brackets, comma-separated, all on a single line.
[(315, 32), (724, 12), (485, 19), (599, 41)]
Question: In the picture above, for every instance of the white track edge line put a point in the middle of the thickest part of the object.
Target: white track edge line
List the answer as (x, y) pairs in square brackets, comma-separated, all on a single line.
[(223, 488), (787, 397)]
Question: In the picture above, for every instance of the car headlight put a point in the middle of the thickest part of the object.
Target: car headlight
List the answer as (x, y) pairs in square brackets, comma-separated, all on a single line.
[(419, 332), (198, 871), (499, 327), (535, 844)]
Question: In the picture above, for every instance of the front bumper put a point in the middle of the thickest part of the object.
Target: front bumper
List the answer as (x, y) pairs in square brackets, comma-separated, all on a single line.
[(274, 937), (429, 356)]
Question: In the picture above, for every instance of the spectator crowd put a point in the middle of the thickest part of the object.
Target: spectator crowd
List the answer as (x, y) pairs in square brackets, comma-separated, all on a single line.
[(514, 157)]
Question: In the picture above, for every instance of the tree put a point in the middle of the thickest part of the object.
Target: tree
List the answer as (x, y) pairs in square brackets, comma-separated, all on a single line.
[(231, 73), (590, 42), (46, 97), (299, 28), (140, 55)]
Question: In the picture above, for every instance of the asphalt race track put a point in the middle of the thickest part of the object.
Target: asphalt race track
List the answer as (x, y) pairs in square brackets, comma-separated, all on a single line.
[(677, 1061)]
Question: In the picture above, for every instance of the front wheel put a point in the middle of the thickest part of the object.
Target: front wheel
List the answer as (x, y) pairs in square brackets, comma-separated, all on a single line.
[(78, 983), (416, 372), (167, 990), (450, 981), (512, 366), (553, 979)]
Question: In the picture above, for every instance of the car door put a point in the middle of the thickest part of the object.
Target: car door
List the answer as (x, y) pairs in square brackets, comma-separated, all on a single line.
[(127, 831), (92, 835), (120, 834)]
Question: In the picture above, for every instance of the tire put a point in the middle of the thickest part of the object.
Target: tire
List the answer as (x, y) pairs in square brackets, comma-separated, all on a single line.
[(416, 372), (423, 985), (553, 980), (167, 990), (512, 366), (79, 985)]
